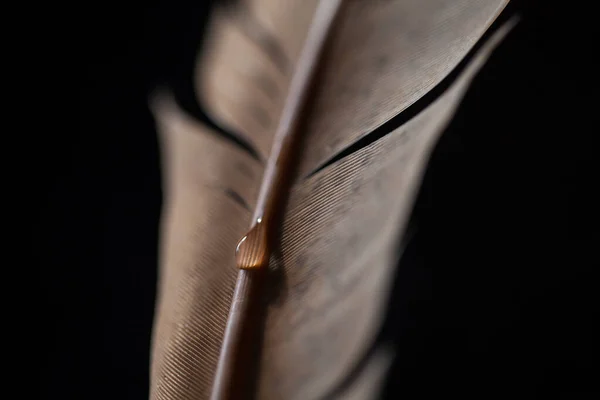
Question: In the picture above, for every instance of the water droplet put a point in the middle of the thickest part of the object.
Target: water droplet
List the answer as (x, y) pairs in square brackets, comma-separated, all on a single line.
[(252, 251)]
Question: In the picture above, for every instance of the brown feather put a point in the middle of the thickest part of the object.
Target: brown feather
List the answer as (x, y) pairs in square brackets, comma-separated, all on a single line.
[(342, 224)]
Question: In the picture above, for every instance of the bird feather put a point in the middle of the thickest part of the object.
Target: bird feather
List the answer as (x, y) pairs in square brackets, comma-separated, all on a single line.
[(345, 216)]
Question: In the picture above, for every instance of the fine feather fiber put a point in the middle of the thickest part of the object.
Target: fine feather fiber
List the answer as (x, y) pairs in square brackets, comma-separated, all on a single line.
[(344, 219)]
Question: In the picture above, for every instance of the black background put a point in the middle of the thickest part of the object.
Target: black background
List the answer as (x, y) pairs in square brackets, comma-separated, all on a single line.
[(495, 292)]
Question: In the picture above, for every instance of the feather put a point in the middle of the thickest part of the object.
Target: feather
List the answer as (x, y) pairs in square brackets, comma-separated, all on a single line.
[(329, 280)]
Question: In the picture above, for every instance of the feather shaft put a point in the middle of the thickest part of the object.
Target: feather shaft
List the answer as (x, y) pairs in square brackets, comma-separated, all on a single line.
[(236, 367)]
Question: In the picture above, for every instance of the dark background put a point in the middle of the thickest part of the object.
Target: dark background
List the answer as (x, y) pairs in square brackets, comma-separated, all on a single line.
[(496, 289)]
